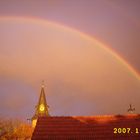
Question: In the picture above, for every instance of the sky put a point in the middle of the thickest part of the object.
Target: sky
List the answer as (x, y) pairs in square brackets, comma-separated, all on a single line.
[(86, 51)]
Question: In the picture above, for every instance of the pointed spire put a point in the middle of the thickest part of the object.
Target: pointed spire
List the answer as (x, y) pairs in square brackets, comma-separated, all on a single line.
[(42, 106), (42, 98)]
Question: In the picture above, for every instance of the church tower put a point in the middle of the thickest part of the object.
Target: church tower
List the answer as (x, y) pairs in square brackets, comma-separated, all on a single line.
[(41, 108)]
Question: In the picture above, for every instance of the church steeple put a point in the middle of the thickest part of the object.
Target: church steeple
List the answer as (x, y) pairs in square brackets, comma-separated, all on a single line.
[(41, 108)]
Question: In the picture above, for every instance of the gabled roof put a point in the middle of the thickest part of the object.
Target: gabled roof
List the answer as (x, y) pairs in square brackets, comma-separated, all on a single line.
[(88, 128)]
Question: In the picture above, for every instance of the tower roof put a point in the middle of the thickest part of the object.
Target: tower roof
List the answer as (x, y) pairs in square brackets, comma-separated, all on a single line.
[(42, 98), (41, 107)]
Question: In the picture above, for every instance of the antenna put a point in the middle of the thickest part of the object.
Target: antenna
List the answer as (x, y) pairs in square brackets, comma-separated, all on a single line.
[(130, 109)]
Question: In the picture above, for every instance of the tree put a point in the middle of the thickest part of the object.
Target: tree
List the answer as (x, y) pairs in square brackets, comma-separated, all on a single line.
[(14, 130)]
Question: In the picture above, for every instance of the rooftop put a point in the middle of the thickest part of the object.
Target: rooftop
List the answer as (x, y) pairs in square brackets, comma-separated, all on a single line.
[(106, 127)]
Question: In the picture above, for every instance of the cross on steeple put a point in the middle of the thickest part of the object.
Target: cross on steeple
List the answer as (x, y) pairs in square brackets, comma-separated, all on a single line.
[(43, 85)]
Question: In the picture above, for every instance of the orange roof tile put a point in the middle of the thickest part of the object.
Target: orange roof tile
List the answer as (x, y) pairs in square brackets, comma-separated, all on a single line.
[(88, 128)]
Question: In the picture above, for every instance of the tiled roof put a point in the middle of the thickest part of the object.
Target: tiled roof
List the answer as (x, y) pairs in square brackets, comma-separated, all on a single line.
[(88, 128)]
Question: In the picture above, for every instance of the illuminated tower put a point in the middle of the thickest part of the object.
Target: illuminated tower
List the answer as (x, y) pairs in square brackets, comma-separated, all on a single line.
[(41, 108)]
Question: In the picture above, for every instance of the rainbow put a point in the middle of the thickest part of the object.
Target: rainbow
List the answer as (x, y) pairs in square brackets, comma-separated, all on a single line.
[(44, 22)]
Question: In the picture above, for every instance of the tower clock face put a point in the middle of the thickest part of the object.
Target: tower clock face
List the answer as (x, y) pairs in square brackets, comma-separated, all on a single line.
[(41, 108)]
